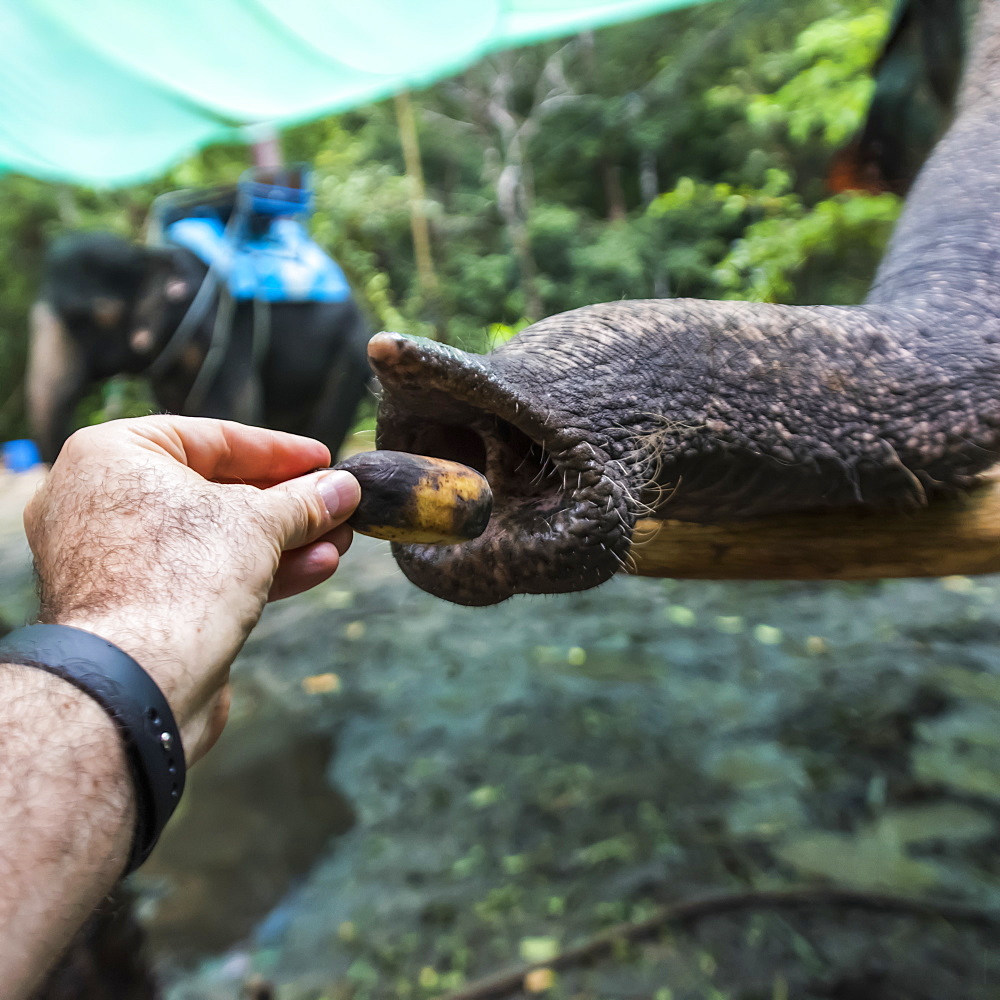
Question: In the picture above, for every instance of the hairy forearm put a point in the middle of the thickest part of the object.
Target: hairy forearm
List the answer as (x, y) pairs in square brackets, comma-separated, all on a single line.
[(66, 803)]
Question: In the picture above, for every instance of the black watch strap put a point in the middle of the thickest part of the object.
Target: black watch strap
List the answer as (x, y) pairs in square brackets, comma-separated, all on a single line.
[(130, 696)]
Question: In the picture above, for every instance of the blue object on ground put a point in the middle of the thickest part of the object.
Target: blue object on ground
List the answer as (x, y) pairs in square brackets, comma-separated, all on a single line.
[(20, 455)]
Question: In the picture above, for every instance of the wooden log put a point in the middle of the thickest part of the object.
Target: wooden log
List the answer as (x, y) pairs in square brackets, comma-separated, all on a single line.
[(958, 536)]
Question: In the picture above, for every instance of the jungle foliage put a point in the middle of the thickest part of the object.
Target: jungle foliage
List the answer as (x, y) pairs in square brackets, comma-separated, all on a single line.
[(682, 154)]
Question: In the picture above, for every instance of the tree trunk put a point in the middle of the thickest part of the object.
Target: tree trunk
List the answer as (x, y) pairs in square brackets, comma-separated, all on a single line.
[(614, 196), (426, 275)]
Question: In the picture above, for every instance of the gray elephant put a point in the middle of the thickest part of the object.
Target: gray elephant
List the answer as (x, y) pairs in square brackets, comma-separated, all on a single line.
[(108, 306), (708, 411)]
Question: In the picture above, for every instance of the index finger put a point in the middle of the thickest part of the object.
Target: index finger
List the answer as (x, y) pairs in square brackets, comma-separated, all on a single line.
[(225, 451)]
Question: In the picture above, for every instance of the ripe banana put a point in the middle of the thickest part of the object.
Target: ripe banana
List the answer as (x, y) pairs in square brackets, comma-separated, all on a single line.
[(417, 499)]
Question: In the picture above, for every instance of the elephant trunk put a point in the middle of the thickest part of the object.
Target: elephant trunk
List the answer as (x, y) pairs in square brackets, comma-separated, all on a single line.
[(56, 380), (943, 257), (709, 411), (551, 483)]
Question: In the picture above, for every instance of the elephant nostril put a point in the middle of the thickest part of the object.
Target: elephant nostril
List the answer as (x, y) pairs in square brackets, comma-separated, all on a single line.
[(527, 468), (455, 444), (514, 464)]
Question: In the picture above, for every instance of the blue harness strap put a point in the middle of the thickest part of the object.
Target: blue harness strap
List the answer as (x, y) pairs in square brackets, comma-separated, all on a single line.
[(282, 265)]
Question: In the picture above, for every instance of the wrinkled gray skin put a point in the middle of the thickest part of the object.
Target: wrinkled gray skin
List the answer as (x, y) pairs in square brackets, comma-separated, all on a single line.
[(709, 411)]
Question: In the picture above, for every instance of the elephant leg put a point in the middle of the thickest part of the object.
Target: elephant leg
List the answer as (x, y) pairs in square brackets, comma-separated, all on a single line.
[(56, 380), (227, 386), (238, 392), (348, 379), (248, 400)]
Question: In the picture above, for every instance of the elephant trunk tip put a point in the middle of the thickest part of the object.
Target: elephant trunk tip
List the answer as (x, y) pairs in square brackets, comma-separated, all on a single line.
[(560, 521), (385, 349), (400, 358)]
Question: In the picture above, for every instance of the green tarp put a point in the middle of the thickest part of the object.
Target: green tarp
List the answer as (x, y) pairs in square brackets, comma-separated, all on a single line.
[(112, 91)]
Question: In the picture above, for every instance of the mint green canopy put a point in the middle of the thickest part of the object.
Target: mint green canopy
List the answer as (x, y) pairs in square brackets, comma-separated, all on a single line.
[(113, 91)]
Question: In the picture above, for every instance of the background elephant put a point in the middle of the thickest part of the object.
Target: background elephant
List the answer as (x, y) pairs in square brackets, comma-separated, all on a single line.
[(108, 306)]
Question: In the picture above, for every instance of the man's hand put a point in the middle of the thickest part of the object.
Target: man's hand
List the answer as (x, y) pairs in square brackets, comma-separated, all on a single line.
[(166, 535)]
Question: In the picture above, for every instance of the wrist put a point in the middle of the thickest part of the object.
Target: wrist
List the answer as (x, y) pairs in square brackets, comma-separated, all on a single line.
[(154, 647), (131, 699), (187, 658)]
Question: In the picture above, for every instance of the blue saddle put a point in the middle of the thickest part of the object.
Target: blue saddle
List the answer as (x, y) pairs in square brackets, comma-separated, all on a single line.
[(282, 265)]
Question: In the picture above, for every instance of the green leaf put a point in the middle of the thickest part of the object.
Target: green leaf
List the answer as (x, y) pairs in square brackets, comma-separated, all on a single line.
[(863, 861), (538, 949), (948, 821)]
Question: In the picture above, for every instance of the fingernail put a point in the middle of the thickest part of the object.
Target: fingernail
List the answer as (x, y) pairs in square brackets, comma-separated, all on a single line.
[(340, 492)]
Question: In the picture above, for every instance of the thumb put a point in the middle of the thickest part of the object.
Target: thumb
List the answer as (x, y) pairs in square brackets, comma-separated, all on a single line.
[(307, 508)]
